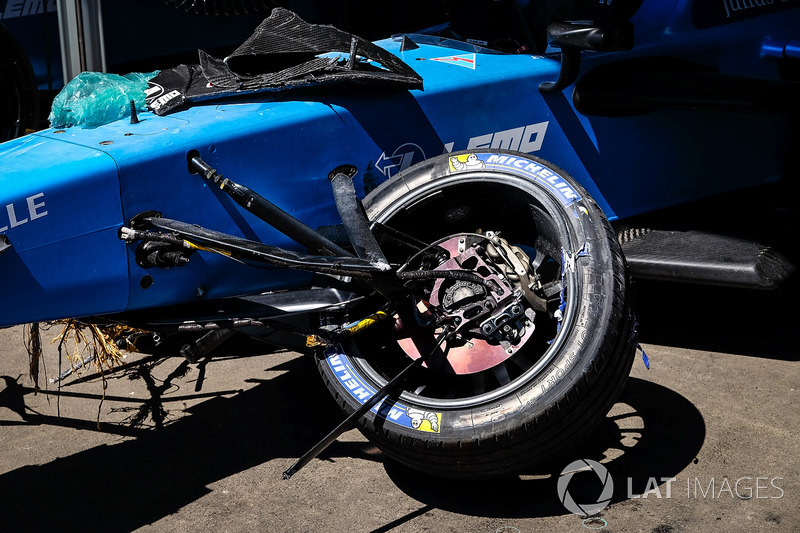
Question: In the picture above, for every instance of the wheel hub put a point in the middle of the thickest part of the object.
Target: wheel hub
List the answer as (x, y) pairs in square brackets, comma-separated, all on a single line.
[(492, 319), (462, 294)]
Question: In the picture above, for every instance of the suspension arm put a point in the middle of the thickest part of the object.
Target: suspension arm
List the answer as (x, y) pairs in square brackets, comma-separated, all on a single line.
[(245, 249), (268, 212)]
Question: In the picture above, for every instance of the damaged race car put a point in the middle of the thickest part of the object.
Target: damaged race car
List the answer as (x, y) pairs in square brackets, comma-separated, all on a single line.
[(431, 214)]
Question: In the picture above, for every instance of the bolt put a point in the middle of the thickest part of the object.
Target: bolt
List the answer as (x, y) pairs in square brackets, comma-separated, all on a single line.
[(516, 309), (487, 328)]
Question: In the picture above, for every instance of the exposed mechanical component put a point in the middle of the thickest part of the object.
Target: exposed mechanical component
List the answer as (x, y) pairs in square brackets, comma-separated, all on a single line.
[(318, 339), (379, 395), (462, 294), (161, 254), (501, 319), (491, 319), (517, 267), (161, 250)]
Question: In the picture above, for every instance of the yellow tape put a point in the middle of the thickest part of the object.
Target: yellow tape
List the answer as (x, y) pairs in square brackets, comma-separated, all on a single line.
[(205, 249), (367, 322), (313, 341)]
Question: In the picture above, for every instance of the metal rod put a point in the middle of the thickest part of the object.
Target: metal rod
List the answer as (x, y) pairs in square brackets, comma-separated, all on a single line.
[(350, 421), (244, 249), (269, 212), (404, 239)]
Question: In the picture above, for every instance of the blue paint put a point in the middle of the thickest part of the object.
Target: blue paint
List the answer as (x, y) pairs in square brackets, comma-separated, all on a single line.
[(69, 262)]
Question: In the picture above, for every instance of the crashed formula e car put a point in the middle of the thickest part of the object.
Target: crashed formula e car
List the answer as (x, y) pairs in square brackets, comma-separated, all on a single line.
[(430, 213)]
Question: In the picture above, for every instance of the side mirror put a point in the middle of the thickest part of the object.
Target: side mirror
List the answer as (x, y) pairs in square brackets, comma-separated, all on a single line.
[(572, 37)]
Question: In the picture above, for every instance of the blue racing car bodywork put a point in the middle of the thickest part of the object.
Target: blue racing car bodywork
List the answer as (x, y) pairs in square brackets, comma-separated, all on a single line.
[(698, 106)]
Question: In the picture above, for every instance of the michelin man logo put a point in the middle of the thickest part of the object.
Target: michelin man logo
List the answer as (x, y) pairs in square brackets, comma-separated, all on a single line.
[(585, 509), (466, 162), (418, 417)]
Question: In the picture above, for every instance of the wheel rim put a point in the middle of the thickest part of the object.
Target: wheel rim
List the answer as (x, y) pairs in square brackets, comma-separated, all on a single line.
[(550, 230)]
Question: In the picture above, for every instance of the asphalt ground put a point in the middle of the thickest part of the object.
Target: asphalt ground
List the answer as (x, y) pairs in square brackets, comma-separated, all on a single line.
[(711, 431)]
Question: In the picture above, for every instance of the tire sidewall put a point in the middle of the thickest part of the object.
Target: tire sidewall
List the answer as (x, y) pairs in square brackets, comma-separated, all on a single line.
[(587, 316)]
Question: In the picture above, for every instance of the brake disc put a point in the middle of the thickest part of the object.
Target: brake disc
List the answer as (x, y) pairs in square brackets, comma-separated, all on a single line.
[(492, 319)]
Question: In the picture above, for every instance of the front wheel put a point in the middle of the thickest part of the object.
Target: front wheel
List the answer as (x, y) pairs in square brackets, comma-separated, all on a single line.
[(544, 341)]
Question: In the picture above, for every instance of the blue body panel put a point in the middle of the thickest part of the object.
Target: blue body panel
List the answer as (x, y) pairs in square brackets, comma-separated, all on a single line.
[(70, 262), (62, 221)]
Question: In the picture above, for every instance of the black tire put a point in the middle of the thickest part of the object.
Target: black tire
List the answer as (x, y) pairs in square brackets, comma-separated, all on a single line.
[(19, 95), (565, 378)]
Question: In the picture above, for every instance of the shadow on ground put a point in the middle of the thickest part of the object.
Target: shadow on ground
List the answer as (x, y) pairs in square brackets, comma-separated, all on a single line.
[(652, 433), (161, 471), (644, 440), (136, 482)]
